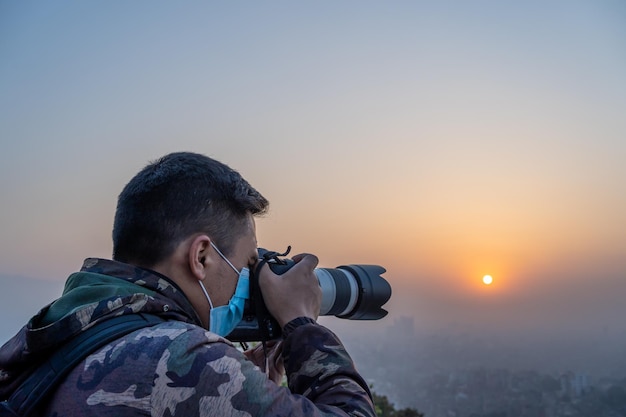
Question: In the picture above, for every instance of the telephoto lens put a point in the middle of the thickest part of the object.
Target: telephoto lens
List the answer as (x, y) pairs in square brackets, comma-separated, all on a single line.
[(355, 292)]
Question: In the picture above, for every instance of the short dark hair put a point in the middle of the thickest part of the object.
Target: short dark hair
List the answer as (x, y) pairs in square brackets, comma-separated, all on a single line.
[(176, 196)]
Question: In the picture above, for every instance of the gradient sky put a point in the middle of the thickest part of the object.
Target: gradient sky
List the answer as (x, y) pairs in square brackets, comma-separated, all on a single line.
[(442, 140)]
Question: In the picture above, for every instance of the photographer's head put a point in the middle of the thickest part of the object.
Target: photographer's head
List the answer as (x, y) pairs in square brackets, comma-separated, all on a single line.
[(176, 196), (173, 215)]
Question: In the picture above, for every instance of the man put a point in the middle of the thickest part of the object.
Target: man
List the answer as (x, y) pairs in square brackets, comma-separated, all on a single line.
[(184, 241)]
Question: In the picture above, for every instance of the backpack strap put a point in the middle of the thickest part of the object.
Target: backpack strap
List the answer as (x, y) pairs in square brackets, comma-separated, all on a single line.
[(43, 381)]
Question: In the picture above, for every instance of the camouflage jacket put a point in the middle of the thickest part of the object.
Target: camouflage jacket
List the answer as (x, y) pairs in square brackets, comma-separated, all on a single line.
[(176, 368)]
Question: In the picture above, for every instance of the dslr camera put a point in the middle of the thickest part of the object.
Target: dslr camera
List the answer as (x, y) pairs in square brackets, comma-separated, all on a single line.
[(355, 292)]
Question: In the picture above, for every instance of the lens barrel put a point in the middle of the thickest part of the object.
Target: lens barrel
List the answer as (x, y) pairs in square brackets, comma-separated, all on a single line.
[(355, 292)]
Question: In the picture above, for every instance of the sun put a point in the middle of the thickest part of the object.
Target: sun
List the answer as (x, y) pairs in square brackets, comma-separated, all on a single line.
[(487, 280)]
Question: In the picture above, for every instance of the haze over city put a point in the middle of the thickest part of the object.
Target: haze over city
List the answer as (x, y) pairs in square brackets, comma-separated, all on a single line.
[(444, 141)]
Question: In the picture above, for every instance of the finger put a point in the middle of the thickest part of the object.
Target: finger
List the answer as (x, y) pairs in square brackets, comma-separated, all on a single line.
[(306, 260), (276, 350)]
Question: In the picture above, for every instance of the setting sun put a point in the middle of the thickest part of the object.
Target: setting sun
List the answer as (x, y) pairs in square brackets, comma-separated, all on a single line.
[(487, 280)]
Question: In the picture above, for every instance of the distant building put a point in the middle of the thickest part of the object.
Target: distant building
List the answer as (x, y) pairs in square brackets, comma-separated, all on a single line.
[(403, 328), (575, 384)]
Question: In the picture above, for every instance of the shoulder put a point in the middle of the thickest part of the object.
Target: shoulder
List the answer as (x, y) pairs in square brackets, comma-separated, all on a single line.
[(176, 331), (158, 366), (175, 339), (172, 343)]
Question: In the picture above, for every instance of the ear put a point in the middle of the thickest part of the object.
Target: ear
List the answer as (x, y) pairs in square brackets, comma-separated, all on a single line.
[(199, 259)]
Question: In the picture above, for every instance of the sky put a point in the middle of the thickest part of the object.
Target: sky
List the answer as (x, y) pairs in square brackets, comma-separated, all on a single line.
[(442, 140)]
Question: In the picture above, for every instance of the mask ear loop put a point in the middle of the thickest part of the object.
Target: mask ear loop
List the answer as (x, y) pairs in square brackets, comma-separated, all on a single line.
[(206, 294), (219, 252)]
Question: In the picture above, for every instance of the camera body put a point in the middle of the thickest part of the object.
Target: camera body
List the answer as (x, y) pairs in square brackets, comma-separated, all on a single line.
[(355, 292)]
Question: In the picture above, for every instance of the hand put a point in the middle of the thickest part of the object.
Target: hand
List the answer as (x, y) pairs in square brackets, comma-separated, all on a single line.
[(275, 367), (296, 293)]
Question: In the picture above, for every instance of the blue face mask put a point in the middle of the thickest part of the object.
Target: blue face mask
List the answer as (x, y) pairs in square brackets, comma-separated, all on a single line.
[(223, 319)]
